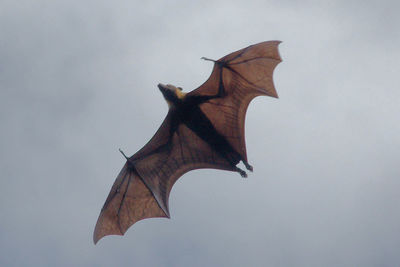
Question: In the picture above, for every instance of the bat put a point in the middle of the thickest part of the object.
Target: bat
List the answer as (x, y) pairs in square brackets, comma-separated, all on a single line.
[(203, 129)]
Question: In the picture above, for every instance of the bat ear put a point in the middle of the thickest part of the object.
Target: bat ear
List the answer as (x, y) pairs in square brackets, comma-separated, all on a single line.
[(180, 88)]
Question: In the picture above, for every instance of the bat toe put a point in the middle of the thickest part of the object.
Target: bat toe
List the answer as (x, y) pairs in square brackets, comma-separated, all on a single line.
[(248, 166), (241, 172)]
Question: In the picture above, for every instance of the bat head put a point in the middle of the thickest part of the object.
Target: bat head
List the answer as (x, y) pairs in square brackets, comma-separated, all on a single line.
[(171, 93)]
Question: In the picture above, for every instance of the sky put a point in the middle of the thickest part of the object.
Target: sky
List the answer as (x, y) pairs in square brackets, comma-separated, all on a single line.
[(78, 81)]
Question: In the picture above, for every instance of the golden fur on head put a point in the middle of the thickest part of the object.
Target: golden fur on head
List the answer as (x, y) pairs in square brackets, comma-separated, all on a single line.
[(177, 90), (171, 93)]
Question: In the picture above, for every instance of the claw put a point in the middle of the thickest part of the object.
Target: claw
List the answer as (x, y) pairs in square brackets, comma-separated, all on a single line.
[(248, 166), (242, 172), (204, 58), (122, 152)]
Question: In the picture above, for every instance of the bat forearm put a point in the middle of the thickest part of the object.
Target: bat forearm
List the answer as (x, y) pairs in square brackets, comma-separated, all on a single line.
[(210, 136), (197, 100)]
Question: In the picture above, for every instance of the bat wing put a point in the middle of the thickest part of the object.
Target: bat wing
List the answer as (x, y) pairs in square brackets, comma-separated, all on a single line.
[(142, 188), (243, 75)]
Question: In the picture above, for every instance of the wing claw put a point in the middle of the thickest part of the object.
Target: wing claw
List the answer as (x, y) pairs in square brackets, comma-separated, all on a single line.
[(208, 59), (122, 152), (142, 188)]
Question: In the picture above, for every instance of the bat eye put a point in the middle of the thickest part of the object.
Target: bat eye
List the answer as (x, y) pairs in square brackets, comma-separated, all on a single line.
[(180, 88)]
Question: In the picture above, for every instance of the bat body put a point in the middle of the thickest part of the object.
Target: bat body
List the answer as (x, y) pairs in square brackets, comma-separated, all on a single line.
[(203, 129), (185, 109)]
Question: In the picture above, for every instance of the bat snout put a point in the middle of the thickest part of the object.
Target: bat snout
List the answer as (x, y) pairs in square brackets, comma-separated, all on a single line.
[(166, 87), (161, 86)]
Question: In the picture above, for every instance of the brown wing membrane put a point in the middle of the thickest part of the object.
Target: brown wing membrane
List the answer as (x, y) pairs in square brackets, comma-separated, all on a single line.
[(244, 74), (128, 202), (142, 188)]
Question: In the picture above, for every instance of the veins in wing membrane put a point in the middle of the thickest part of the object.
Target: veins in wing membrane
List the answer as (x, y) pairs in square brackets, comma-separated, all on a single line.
[(250, 59), (122, 203), (241, 76), (240, 54), (209, 135)]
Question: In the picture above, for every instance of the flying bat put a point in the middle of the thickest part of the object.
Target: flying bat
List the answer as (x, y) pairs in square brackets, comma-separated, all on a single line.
[(203, 129)]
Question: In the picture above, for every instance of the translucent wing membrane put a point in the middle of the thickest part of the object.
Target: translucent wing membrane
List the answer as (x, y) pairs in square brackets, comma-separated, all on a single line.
[(244, 74), (142, 188)]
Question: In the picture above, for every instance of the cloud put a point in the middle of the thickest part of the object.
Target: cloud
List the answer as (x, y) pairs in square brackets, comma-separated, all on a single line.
[(78, 81)]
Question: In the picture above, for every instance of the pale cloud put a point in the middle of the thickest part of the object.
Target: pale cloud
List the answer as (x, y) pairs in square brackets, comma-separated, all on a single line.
[(78, 81)]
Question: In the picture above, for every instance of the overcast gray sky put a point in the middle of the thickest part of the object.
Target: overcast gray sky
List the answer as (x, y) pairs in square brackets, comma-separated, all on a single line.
[(78, 80)]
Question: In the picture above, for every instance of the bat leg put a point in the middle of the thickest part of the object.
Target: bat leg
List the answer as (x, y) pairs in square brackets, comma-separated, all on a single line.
[(242, 172), (248, 166)]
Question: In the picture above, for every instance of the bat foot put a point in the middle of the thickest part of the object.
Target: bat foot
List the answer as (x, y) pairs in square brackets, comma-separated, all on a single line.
[(241, 172), (248, 166)]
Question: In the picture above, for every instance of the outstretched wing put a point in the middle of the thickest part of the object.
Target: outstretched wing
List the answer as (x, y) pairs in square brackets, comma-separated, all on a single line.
[(243, 75), (142, 188)]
